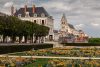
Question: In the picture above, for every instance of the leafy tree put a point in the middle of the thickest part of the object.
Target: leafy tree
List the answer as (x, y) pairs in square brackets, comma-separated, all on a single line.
[(14, 27)]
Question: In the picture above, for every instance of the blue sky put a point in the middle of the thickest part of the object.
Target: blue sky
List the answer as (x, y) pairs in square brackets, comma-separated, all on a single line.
[(83, 14)]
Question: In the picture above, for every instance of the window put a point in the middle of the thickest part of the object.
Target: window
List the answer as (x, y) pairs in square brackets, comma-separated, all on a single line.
[(34, 21), (42, 15), (35, 15), (42, 22), (63, 22), (19, 15)]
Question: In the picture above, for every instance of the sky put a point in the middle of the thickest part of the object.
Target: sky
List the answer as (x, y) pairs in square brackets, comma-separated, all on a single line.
[(83, 14)]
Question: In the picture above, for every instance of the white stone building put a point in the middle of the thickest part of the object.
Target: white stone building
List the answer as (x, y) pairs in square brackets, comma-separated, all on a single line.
[(36, 15)]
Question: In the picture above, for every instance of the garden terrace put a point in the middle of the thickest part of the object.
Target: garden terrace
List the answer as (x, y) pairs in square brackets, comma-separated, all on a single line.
[(62, 52)]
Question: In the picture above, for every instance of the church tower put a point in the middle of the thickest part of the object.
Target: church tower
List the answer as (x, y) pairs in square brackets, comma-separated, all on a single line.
[(64, 25)]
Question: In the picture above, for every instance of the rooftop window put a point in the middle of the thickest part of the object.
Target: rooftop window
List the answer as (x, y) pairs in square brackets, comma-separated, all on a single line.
[(42, 15), (35, 15), (19, 15)]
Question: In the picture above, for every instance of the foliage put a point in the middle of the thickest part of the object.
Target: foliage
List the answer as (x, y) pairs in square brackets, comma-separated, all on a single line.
[(94, 40), (14, 27)]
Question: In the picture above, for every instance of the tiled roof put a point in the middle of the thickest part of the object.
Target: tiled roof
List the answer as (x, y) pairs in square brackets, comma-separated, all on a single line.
[(38, 11)]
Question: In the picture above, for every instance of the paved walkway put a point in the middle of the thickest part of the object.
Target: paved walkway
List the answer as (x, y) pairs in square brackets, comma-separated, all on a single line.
[(50, 57)]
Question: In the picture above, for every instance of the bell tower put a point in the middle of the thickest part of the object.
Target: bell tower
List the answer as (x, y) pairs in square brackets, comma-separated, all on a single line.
[(12, 10), (64, 23)]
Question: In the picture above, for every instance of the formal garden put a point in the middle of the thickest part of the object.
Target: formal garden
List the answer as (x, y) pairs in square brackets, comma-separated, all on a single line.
[(62, 52), (32, 62)]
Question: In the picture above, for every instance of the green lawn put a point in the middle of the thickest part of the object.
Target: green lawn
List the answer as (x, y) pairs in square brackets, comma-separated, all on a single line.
[(38, 63)]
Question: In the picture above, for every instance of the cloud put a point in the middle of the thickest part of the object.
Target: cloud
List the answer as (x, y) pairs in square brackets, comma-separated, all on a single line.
[(80, 13), (79, 26), (95, 24), (56, 6), (8, 4)]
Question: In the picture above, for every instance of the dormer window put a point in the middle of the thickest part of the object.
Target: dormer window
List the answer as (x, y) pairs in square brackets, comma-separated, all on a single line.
[(42, 15), (27, 14), (35, 15), (19, 15)]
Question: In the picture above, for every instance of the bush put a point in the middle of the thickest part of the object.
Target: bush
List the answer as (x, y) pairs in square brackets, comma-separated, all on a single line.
[(19, 48), (94, 40)]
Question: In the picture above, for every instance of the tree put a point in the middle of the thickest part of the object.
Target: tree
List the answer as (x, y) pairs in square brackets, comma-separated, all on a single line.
[(14, 27), (41, 31)]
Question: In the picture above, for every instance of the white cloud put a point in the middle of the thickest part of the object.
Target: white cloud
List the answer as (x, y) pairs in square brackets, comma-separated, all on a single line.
[(95, 24), (57, 6), (8, 4), (79, 26)]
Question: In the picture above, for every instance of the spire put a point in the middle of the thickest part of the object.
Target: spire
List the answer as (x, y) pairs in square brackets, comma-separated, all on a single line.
[(63, 15), (12, 10), (63, 19)]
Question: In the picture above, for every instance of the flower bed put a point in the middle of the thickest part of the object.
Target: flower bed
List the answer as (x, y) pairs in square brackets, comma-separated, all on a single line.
[(31, 62), (66, 52)]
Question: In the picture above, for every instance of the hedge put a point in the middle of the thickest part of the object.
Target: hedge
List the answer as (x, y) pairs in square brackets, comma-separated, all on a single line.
[(19, 48), (81, 44)]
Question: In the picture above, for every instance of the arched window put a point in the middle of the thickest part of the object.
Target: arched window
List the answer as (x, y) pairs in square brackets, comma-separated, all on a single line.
[(63, 22), (34, 21), (43, 22)]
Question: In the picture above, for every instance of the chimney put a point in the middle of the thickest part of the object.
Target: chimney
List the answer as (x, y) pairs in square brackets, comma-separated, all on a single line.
[(12, 10), (25, 8), (33, 9)]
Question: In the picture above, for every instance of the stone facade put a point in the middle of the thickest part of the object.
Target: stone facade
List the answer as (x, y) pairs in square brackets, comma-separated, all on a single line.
[(36, 15), (67, 28)]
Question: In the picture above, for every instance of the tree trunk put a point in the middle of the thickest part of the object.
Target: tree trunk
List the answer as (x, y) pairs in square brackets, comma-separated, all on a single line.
[(20, 39), (42, 39), (4, 38), (31, 38), (13, 39), (36, 38), (25, 39)]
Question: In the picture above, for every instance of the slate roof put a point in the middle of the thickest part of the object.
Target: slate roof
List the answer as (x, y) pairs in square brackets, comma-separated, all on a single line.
[(38, 11), (71, 26), (64, 18), (55, 31)]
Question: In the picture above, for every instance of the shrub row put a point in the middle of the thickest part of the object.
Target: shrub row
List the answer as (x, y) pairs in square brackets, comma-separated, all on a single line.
[(81, 44), (94, 40), (20, 48)]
